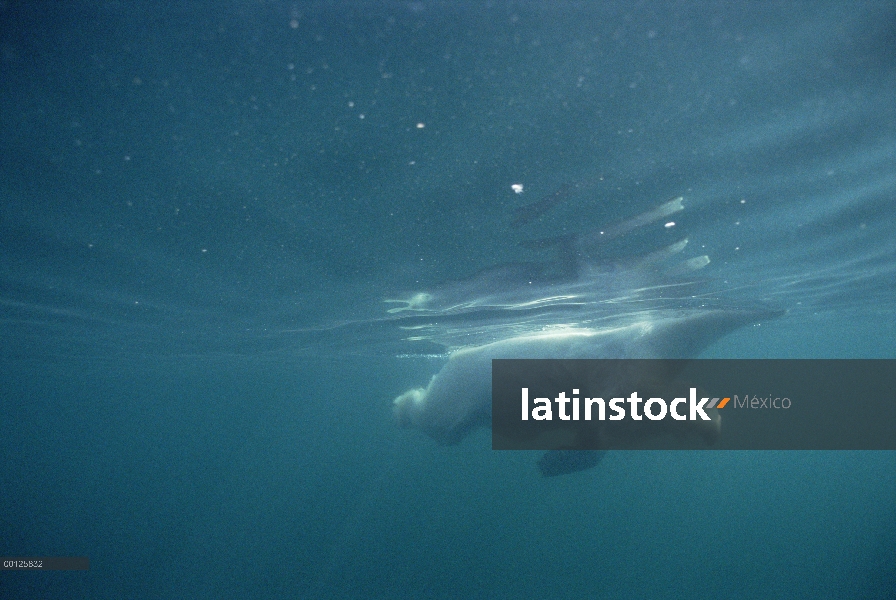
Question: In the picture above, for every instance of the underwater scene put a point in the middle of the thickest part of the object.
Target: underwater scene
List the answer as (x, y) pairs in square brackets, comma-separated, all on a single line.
[(256, 258)]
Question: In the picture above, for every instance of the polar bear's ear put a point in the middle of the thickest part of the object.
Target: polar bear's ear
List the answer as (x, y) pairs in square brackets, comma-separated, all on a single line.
[(563, 462)]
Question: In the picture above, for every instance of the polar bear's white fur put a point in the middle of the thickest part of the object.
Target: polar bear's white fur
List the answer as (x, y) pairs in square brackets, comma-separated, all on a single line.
[(458, 398)]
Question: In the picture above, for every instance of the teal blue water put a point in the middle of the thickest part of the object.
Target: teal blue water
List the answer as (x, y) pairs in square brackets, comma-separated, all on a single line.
[(203, 205)]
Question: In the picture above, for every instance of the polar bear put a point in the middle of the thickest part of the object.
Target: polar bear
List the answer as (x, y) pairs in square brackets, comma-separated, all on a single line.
[(458, 398), (574, 307)]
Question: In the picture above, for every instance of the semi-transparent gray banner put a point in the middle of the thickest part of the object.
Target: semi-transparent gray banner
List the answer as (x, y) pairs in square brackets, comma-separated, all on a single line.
[(694, 404)]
